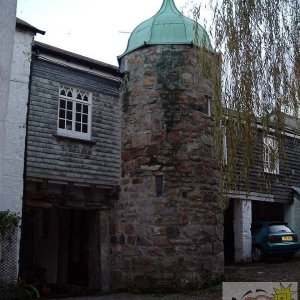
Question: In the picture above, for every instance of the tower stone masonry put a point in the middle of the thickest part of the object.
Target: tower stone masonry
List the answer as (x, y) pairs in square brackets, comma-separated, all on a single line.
[(167, 226)]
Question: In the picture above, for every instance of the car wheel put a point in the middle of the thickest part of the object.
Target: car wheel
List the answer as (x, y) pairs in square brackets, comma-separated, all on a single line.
[(257, 254)]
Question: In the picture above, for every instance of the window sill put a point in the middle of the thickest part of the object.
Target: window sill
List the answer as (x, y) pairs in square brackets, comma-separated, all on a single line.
[(64, 137)]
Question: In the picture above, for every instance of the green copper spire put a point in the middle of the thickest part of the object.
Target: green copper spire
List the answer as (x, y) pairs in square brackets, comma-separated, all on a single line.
[(167, 26)]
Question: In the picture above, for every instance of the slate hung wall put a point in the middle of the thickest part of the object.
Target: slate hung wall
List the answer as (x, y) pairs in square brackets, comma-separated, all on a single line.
[(71, 177), (61, 158)]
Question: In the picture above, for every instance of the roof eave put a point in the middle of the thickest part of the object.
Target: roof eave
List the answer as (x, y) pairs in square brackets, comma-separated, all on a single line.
[(26, 26), (149, 43), (51, 50)]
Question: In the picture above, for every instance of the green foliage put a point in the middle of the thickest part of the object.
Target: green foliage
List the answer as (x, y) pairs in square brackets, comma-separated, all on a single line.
[(8, 222), (259, 42), (18, 290), (257, 82)]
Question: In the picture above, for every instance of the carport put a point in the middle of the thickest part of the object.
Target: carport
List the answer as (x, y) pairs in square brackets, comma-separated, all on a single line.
[(243, 209)]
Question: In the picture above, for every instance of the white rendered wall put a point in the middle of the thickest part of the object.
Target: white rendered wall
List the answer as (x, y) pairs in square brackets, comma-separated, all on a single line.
[(242, 230), (14, 147), (7, 30), (15, 123), (292, 214)]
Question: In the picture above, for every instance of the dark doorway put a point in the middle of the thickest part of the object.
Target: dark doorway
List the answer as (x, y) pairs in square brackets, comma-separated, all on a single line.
[(267, 211), (78, 271), (229, 234), (61, 248), (39, 246)]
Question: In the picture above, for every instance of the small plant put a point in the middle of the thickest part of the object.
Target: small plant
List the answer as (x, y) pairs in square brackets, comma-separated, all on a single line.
[(18, 290), (8, 222)]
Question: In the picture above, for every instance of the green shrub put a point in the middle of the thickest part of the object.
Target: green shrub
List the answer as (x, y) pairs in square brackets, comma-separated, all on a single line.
[(18, 290), (8, 222)]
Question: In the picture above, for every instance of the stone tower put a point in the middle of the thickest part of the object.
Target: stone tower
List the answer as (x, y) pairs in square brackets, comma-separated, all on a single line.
[(167, 228)]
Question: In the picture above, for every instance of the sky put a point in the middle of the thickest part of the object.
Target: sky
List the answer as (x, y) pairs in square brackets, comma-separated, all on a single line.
[(98, 29)]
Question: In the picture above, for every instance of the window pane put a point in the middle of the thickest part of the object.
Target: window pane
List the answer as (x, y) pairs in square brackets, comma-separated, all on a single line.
[(62, 104), (69, 105), (69, 115), (68, 125), (279, 228), (62, 113), (159, 185), (78, 107), (79, 96), (78, 117), (70, 94), (84, 118), (84, 128), (62, 124), (206, 108), (73, 111), (224, 142), (85, 109), (78, 127), (271, 160)]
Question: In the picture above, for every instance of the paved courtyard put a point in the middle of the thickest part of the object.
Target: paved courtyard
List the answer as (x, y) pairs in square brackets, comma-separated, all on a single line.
[(272, 270)]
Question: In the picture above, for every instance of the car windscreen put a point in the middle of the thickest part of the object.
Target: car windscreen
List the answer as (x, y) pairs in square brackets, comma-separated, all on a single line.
[(277, 228)]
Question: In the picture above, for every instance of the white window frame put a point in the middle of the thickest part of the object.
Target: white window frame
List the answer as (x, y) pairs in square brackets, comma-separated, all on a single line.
[(270, 148), (71, 96)]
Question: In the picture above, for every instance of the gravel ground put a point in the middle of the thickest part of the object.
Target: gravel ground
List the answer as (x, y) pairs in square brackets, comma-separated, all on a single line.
[(272, 270)]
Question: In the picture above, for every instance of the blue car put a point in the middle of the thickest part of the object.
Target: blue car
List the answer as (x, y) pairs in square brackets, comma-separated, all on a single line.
[(273, 239)]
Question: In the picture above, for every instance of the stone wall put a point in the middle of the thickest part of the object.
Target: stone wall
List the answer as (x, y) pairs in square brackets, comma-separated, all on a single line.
[(167, 228)]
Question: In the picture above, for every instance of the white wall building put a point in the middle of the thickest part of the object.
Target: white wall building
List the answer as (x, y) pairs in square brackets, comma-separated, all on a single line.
[(7, 28), (13, 141)]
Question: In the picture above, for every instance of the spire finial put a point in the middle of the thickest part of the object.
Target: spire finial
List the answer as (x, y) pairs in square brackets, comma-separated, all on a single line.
[(169, 5)]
